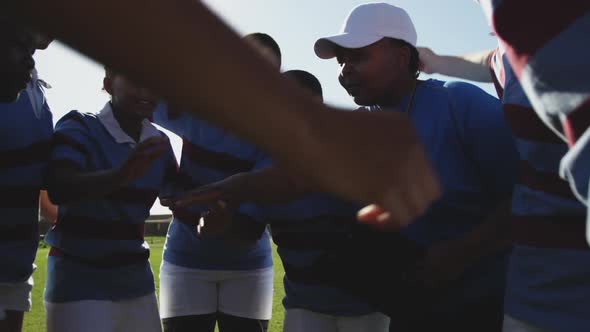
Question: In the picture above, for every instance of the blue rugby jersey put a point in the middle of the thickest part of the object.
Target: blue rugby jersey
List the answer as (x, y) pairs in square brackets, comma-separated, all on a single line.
[(98, 248), (472, 150), (208, 155), (25, 137)]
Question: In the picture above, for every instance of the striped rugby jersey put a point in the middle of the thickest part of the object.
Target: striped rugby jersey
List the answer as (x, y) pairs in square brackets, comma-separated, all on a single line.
[(98, 248), (25, 143), (209, 154), (548, 265), (549, 56), (304, 231)]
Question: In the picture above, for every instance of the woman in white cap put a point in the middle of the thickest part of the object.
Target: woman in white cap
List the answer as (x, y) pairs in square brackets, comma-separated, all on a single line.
[(464, 133)]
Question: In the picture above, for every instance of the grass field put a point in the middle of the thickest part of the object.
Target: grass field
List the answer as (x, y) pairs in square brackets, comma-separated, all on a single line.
[(35, 320)]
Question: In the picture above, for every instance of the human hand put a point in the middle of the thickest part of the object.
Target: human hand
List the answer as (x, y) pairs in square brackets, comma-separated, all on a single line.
[(228, 189), (141, 157), (444, 263), (428, 60), (216, 221), (398, 180)]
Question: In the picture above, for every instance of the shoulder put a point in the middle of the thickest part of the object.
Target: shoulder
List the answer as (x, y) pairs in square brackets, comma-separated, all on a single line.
[(465, 95), (439, 94), (162, 134), (433, 89), (76, 119), (464, 89), (466, 102)]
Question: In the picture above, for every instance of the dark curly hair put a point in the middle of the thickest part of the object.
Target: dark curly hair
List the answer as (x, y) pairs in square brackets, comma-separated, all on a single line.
[(414, 66), (306, 80), (266, 41)]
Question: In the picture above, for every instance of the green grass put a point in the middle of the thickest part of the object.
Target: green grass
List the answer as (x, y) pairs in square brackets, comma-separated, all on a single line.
[(35, 319)]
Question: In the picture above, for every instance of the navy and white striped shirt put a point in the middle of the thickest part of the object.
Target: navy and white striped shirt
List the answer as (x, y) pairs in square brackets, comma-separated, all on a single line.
[(305, 231), (98, 248), (25, 138), (535, 35), (548, 265)]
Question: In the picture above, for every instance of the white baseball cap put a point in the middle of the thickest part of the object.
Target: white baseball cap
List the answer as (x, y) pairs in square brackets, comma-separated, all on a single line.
[(367, 24)]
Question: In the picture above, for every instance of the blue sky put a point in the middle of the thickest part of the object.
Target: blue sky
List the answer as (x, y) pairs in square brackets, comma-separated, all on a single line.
[(448, 27)]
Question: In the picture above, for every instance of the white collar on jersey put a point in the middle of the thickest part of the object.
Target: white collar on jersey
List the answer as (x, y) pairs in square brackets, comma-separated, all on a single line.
[(36, 95), (108, 120)]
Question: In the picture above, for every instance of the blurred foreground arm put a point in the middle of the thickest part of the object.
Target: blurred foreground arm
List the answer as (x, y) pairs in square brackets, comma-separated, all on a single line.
[(383, 162)]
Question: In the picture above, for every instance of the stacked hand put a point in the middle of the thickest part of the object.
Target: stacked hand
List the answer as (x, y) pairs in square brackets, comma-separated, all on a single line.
[(358, 166), (141, 157), (216, 221)]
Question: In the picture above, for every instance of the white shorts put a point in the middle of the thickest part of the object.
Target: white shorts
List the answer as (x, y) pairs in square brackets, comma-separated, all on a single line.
[(301, 320), (16, 296), (138, 314), (514, 325), (187, 292)]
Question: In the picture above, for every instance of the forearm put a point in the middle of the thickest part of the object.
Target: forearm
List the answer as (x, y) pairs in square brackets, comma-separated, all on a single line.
[(272, 185), (472, 67), (311, 139), (47, 209), (244, 230), (490, 237), (66, 187), (192, 18)]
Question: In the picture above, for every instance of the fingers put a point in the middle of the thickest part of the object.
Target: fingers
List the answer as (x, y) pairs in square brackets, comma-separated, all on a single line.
[(222, 204), (401, 209), (427, 59), (425, 52), (425, 189), (370, 213), (204, 195), (151, 150), (429, 184), (398, 213), (414, 191), (421, 187), (141, 157), (199, 196), (215, 221), (148, 151), (375, 216)]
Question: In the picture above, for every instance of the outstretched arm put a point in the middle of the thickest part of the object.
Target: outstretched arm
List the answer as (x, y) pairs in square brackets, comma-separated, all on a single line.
[(383, 162), (472, 66)]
